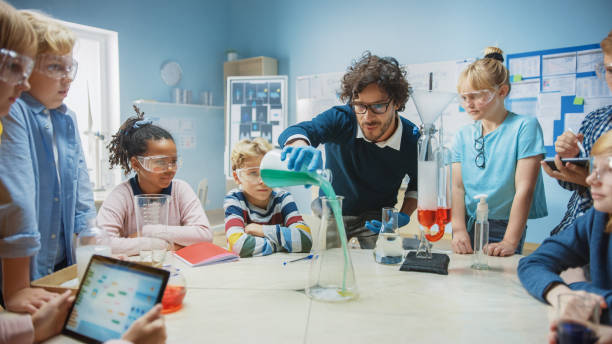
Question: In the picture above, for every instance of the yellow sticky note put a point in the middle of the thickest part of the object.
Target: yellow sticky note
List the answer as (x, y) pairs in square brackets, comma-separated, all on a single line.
[(517, 77), (578, 101)]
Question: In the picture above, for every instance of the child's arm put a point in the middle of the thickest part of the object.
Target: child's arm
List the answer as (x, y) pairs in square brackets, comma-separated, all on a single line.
[(525, 179), (85, 208), (18, 296), (461, 238), (194, 226), (292, 234), (240, 242)]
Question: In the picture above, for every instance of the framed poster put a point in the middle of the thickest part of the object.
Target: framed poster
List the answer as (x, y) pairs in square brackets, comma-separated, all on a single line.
[(256, 107)]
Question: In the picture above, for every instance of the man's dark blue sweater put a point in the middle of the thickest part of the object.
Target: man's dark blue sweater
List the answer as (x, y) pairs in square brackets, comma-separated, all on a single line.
[(367, 175)]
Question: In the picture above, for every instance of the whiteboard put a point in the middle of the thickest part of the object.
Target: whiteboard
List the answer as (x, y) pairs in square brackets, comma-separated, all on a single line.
[(318, 92)]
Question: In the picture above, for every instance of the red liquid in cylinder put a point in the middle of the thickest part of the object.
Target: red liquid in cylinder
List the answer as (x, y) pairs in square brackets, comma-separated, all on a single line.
[(426, 217), (443, 217), (172, 300)]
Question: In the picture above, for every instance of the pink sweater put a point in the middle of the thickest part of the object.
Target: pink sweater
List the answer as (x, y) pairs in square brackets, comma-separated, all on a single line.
[(187, 222)]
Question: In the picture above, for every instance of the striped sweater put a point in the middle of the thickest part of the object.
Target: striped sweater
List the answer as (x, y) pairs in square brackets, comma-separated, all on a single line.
[(283, 226)]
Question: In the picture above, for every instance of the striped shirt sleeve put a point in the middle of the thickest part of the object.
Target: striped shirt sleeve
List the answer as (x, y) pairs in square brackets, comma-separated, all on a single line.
[(291, 233), (236, 219)]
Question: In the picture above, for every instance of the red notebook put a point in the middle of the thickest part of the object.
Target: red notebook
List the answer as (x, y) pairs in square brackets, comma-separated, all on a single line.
[(204, 253)]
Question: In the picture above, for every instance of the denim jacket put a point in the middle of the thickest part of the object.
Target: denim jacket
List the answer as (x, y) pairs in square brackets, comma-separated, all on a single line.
[(42, 211)]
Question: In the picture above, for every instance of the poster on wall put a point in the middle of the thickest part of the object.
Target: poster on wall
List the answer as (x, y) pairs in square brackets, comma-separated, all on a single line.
[(256, 107)]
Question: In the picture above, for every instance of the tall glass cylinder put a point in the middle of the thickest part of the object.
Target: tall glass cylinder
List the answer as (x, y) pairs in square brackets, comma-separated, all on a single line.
[(331, 277), (427, 203), (152, 225)]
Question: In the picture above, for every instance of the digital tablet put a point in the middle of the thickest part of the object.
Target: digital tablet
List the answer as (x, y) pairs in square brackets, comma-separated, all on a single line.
[(582, 162), (112, 295)]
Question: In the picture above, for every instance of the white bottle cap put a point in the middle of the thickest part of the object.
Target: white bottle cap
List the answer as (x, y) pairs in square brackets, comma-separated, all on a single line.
[(482, 210)]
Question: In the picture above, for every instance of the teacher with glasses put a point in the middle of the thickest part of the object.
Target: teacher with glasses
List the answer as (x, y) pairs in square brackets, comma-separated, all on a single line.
[(369, 148)]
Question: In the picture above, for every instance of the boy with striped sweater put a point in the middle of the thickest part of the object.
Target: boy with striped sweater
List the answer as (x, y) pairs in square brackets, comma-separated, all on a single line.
[(258, 220)]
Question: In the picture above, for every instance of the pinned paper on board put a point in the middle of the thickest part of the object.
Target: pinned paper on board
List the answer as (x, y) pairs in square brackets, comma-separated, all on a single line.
[(517, 78), (566, 85), (563, 63), (526, 67), (578, 101)]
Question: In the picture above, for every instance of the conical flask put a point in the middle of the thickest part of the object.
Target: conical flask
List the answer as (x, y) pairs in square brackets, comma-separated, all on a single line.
[(331, 277)]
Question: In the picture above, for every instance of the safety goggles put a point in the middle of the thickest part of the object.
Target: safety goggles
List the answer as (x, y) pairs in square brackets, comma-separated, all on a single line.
[(601, 167), (378, 108), (57, 67), (478, 98), (602, 70), (251, 175), (15, 68), (159, 163)]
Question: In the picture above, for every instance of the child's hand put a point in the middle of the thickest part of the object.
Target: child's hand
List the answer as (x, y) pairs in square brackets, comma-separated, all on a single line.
[(254, 229), (28, 300), (461, 242), (49, 319), (150, 328), (501, 249), (567, 144)]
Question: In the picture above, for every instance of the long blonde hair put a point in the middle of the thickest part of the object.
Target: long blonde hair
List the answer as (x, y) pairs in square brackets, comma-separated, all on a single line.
[(602, 146), (485, 73), (16, 33), (53, 37)]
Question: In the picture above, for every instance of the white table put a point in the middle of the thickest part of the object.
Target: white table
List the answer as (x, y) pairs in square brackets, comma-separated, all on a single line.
[(258, 300)]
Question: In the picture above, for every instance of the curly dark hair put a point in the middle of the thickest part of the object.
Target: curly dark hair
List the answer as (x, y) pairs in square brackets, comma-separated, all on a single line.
[(131, 141), (384, 71)]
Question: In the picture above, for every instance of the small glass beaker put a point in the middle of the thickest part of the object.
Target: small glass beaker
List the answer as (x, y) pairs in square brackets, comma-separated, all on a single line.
[(152, 224), (388, 248), (90, 241), (572, 311), (331, 277), (172, 300)]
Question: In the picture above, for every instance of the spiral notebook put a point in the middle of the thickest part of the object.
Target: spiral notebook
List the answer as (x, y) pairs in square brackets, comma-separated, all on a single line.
[(205, 253)]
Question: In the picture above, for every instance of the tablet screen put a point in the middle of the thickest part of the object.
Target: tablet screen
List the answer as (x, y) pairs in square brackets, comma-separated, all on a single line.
[(112, 296)]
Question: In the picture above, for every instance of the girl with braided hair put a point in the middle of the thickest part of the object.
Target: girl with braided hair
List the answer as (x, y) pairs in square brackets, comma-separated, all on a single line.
[(150, 152)]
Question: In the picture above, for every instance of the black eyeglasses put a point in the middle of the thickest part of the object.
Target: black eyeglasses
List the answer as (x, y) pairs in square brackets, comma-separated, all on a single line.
[(378, 108), (479, 147)]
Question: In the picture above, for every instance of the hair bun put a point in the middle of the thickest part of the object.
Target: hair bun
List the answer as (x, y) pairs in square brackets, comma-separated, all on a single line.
[(496, 56)]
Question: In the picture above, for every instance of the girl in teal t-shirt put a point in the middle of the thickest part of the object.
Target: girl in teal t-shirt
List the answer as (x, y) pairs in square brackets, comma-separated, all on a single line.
[(499, 155)]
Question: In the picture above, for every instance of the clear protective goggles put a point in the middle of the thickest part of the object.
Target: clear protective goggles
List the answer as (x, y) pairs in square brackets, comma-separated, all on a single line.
[(600, 166), (479, 98), (159, 163), (251, 175), (56, 66), (602, 70), (15, 68)]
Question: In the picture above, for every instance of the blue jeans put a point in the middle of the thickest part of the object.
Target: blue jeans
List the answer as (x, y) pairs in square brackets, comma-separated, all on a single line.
[(497, 229)]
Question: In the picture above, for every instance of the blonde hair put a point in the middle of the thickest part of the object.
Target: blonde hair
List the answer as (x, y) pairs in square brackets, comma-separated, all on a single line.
[(487, 72), (603, 145), (606, 44), (246, 149), (16, 33), (53, 37)]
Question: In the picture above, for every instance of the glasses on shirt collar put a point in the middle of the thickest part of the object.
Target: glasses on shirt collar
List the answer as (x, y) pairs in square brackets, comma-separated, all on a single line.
[(601, 167), (603, 70), (376, 108), (56, 66), (159, 163), (479, 98), (251, 175), (15, 68), (480, 156)]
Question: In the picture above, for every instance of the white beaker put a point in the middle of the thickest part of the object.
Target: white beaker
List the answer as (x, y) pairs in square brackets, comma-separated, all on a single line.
[(388, 248)]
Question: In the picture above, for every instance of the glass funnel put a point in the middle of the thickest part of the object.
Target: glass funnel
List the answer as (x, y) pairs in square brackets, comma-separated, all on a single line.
[(432, 178)]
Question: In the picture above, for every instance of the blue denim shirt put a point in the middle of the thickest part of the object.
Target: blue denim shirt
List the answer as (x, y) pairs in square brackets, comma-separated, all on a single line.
[(45, 214)]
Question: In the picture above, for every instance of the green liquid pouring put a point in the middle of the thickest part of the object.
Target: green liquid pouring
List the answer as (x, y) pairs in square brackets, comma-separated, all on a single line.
[(278, 178)]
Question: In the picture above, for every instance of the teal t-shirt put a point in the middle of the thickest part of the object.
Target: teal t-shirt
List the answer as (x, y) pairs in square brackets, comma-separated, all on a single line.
[(518, 137)]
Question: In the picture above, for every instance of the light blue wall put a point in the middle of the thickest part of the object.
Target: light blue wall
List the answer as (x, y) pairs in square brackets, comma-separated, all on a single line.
[(319, 36), (192, 32)]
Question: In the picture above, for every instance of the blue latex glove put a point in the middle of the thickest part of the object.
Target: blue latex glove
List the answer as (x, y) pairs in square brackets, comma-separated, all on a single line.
[(300, 156), (375, 225)]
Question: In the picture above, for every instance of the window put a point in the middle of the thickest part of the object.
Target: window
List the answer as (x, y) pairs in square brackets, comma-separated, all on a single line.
[(94, 97)]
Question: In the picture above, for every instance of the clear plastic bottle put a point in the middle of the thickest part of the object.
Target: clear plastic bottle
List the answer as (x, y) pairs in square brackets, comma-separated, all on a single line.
[(481, 234)]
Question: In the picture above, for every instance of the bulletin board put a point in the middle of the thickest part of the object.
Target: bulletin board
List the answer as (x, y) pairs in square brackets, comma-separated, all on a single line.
[(256, 107), (317, 93), (558, 86)]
